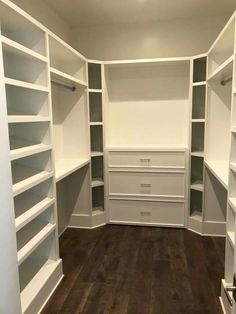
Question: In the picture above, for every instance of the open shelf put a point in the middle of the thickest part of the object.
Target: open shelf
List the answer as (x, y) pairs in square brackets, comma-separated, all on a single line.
[(13, 82), (196, 173), (64, 167), (96, 154), (195, 203), (224, 71), (199, 70), (95, 76), (97, 182), (220, 169), (97, 168), (198, 137), (230, 228), (98, 198), (62, 77), (23, 67), (198, 103), (95, 107), (198, 154), (34, 233), (96, 136), (222, 49), (66, 61)]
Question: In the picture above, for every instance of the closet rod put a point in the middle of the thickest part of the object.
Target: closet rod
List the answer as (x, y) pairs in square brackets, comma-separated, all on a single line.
[(226, 81), (72, 88)]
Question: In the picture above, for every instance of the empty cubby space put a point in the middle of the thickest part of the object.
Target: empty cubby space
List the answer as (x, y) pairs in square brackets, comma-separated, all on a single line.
[(199, 97), (98, 198), (27, 134), (231, 224), (97, 168), (39, 227), (19, 29), (196, 171), (96, 135), (33, 201), (29, 167), (24, 101), (195, 203), (95, 107), (95, 76), (198, 137), (199, 70), (24, 68), (67, 60), (229, 262)]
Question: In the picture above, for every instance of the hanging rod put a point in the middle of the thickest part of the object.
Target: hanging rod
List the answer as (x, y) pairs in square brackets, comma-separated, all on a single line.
[(226, 81), (72, 88)]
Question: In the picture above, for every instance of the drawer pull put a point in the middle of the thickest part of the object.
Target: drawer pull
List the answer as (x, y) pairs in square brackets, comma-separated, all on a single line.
[(227, 290), (145, 185)]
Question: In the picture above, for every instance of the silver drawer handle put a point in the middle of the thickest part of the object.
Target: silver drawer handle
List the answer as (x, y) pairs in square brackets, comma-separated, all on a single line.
[(145, 185), (227, 290)]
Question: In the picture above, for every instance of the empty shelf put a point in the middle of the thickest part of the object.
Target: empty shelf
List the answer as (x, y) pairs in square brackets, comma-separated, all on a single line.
[(95, 154), (199, 83), (97, 182), (232, 202), (197, 154), (96, 123), (92, 90), (233, 166), (65, 167), (198, 186), (220, 169), (27, 118), (231, 237), (97, 210), (66, 78), (196, 216), (198, 120), (23, 84), (223, 71)]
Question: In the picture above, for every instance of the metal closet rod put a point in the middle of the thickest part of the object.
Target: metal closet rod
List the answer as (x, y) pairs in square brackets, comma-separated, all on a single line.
[(226, 81), (72, 88)]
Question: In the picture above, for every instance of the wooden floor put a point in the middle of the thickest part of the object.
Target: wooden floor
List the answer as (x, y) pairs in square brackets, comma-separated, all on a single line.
[(139, 270)]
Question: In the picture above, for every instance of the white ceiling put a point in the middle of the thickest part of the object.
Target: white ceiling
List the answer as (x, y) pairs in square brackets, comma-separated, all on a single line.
[(100, 12)]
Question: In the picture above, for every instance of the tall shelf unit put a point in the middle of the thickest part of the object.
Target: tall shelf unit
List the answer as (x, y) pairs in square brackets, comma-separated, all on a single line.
[(25, 79), (198, 128), (96, 122)]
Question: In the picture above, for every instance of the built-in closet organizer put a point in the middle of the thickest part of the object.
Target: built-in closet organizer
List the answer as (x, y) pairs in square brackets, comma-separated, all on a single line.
[(147, 185)]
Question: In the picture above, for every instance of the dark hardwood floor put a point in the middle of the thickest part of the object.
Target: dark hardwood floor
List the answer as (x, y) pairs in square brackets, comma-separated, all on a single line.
[(138, 270)]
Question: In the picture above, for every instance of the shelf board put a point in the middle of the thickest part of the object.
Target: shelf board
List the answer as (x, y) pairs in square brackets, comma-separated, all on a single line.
[(198, 120), (66, 78), (38, 282), (233, 129), (92, 90), (198, 154), (16, 48), (97, 182), (37, 205), (9, 81), (223, 71), (199, 83), (28, 150), (233, 166), (65, 167), (95, 123), (232, 203), (197, 186), (231, 237), (28, 183), (97, 210), (220, 169), (96, 154), (31, 245), (197, 215), (27, 118)]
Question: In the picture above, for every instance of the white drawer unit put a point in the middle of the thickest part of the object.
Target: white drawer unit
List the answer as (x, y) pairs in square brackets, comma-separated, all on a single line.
[(147, 212), (146, 187), (151, 159), (147, 183)]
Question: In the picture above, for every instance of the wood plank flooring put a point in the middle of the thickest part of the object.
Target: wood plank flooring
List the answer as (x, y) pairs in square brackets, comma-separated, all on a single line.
[(138, 270)]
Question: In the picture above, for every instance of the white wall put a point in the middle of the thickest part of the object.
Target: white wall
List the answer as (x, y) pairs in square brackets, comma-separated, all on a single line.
[(162, 39), (45, 15)]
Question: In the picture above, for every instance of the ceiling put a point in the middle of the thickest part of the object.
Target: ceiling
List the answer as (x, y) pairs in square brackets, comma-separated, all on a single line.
[(105, 12)]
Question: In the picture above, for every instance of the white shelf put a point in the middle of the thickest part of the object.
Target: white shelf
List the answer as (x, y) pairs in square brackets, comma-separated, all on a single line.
[(197, 154), (220, 169), (96, 154), (199, 83), (233, 166), (9, 81), (12, 46), (91, 90), (27, 150), (65, 167), (231, 237), (197, 187), (196, 216), (97, 210), (97, 182), (38, 282), (34, 242), (30, 182), (223, 71), (233, 129), (96, 123), (63, 77), (232, 202), (36, 205), (198, 120), (27, 118)]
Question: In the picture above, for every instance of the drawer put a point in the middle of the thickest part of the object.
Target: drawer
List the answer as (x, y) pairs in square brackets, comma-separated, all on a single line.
[(144, 212), (147, 183), (157, 159)]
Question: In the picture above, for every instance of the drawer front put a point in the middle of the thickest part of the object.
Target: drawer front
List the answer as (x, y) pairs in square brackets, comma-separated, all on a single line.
[(143, 212), (160, 159), (147, 183)]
